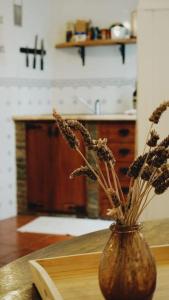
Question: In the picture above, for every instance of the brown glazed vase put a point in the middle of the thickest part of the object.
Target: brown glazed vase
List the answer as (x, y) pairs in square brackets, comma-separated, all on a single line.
[(127, 270)]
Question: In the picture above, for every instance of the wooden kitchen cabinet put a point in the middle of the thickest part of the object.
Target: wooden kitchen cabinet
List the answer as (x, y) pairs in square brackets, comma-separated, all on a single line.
[(48, 169), (121, 140), (50, 162)]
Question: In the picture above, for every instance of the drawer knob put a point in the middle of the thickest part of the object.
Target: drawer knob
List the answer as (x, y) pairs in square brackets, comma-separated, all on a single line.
[(124, 151), (123, 170), (124, 132)]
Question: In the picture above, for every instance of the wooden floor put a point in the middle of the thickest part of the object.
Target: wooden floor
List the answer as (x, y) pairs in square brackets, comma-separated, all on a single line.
[(15, 244)]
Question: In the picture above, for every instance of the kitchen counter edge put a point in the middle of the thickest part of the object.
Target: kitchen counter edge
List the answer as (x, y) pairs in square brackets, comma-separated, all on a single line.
[(83, 117)]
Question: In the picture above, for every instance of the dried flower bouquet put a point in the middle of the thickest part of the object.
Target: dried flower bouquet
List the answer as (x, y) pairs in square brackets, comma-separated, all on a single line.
[(149, 172)]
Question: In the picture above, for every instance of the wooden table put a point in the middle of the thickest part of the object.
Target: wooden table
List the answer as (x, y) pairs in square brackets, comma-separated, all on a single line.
[(15, 278)]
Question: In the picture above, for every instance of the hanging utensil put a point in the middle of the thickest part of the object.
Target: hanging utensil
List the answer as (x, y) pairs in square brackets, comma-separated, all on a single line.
[(27, 57), (35, 52), (42, 55)]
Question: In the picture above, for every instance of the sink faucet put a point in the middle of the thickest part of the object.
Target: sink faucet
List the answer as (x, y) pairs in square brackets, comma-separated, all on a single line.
[(97, 107)]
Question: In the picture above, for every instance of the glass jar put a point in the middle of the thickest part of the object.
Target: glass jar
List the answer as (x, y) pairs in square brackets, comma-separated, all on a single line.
[(127, 269)]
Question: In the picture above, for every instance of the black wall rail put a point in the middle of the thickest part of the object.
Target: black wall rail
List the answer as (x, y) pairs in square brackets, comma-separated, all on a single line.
[(34, 52)]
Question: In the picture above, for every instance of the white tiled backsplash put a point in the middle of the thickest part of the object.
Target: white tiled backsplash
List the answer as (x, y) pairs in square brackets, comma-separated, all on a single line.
[(81, 100), (115, 95), (24, 97)]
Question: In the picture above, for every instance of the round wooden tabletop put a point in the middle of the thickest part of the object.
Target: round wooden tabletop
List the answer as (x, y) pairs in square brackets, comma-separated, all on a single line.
[(15, 278)]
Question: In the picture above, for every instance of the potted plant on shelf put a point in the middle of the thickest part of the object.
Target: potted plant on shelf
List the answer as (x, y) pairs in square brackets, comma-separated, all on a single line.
[(127, 269)]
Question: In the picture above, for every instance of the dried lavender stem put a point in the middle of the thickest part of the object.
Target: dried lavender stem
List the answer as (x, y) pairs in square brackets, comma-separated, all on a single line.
[(131, 183), (98, 178), (147, 137), (134, 201), (146, 204), (145, 194), (135, 191), (120, 190), (141, 208), (99, 169), (102, 175), (121, 215), (142, 185), (149, 182), (139, 201), (142, 168), (145, 190), (115, 184), (108, 175), (114, 179)]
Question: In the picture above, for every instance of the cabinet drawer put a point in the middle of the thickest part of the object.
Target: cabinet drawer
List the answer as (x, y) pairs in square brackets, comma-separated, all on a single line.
[(117, 131), (125, 189), (122, 152), (121, 171)]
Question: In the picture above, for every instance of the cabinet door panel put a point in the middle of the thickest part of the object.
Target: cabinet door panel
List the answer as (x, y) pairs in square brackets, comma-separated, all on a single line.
[(37, 144), (70, 192), (49, 164)]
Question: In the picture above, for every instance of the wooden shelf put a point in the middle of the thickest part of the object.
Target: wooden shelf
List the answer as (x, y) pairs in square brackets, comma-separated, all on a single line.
[(93, 43)]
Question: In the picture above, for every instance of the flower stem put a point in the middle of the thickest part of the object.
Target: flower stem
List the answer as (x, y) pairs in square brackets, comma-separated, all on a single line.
[(97, 176)]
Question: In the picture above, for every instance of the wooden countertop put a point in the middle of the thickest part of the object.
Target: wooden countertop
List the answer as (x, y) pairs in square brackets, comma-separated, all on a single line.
[(90, 117), (15, 278)]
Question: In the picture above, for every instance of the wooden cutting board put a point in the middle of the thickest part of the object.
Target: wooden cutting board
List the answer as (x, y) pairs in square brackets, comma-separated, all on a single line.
[(75, 277)]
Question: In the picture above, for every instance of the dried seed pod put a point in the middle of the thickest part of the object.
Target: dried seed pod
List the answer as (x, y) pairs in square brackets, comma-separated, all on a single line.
[(83, 171), (129, 199), (66, 131), (103, 151), (160, 158), (114, 197), (155, 117), (84, 132), (161, 178), (147, 172), (136, 166), (154, 137), (161, 188), (165, 142), (156, 152)]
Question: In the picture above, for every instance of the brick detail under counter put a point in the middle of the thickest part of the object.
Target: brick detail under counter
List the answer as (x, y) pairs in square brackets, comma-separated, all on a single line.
[(21, 167)]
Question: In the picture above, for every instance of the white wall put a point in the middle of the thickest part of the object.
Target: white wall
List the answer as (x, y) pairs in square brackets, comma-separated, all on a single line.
[(153, 87), (101, 61), (38, 18), (22, 90), (27, 91)]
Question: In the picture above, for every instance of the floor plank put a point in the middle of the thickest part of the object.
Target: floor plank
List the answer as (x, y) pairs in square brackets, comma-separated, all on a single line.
[(15, 244)]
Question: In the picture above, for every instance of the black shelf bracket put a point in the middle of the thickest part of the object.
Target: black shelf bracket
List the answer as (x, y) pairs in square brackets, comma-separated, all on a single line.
[(122, 49), (82, 54)]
